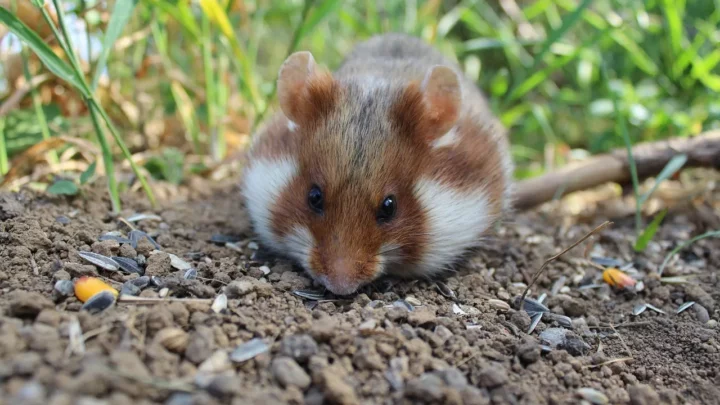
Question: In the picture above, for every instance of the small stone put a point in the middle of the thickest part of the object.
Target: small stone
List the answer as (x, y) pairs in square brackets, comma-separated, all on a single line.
[(641, 394), (25, 304), (453, 377), (336, 389), (712, 324), (289, 373), (61, 275), (224, 386), (126, 250), (521, 319), (427, 387), (574, 308), (245, 286), (174, 339), (492, 377), (299, 347), (529, 353), (201, 346), (78, 270), (697, 293), (323, 329), (443, 333)]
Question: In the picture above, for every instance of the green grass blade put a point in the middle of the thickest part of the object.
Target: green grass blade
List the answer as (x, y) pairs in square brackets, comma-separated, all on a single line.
[(710, 234), (674, 10), (37, 104), (119, 18), (649, 232), (125, 151), (672, 167), (210, 85), (107, 160), (557, 34), (318, 15), (4, 162), (46, 55), (621, 126)]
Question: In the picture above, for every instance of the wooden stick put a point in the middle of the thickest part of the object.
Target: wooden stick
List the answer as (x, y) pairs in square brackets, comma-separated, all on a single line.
[(702, 150)]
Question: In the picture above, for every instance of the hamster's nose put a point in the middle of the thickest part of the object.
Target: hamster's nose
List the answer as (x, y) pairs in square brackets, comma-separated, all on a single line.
[(342, 277)]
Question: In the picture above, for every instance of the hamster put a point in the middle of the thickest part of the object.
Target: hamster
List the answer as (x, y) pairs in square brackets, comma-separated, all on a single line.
[(391, 165)]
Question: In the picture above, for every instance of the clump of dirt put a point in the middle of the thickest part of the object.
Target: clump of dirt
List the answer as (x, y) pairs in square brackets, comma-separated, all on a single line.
[(393, 342)]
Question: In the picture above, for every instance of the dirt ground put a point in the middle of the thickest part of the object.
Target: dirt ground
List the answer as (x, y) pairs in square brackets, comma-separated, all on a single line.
[(372, 348)]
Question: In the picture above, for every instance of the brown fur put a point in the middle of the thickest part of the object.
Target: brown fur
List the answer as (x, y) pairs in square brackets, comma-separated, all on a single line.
[(361, 141)]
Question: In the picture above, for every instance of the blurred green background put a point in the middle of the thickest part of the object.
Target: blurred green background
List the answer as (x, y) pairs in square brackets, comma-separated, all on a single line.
[(187, 81)]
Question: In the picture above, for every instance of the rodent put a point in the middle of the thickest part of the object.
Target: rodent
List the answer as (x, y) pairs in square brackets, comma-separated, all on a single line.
[(391, 165)]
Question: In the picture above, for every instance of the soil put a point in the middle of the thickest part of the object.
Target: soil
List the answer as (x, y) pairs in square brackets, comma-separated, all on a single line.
[(368, 348)]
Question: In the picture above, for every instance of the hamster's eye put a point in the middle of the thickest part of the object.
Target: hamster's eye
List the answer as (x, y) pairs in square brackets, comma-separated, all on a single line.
[(315, 199), (386, 211)]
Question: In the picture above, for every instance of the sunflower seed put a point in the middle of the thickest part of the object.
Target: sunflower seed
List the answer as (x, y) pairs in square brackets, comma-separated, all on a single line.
[(191, 274), (532, 306), (685, 306), (119, 239), (66, 288), (563, 320), (315, 295), (220, 303), (141, 217), (234, 246), (639, 309), (129, 266), (404, 305), (99, 302), (140, 282), (499, 305), (607, 262), (163, 292), (136, 236), (221, 239), (445, 290), (249, 350), (656, 309), (157, 281), (593, 396), (179, 263), (535, 321), (100, 261), (413, 301)]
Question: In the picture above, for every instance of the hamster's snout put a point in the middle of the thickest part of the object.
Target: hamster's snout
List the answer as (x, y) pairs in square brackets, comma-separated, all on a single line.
[(343, 276)]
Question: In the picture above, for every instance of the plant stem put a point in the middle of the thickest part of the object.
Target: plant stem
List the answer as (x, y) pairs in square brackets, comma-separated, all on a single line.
[(37, 104), (107, 158), (4, 166), (210, 94)]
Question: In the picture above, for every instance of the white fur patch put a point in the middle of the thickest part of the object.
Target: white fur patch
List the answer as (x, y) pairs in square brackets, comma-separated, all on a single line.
[(264, 181), (299, 243), (449, 139), (292, 126), (456, 220)]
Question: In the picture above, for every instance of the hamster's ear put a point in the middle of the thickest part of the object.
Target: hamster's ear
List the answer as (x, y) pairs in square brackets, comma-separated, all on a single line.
[(304, 89), (431, 108), (443, 97)]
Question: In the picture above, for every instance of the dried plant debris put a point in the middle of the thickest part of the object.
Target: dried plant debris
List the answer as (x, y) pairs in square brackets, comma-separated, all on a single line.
[(532, 306), (535, 320), (179, 263), (99, 260), (249, 350), (593, 396), (143, 217)]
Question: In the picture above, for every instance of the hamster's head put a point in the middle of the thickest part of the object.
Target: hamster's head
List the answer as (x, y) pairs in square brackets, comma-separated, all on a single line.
[(335, 186)]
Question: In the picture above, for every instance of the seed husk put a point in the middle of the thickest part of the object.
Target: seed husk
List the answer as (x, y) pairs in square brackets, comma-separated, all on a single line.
[(413, 301), (99, 302), (563, 320), (130, 289), (593, 396), (191, 274), (135, 236), (404, 305), (535, 321), (499, 305), (446, 291), (685, 306), (315, 295), (607, 262), (457, 310), (656, 309), (558, 285), (129, 266), (639, 309), (179, 263), (101, 261), (532, 306), (220, 303), (163, 292), (249, 350)]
